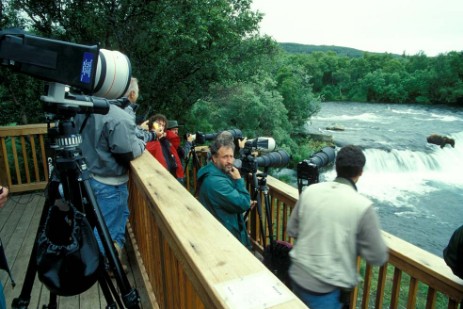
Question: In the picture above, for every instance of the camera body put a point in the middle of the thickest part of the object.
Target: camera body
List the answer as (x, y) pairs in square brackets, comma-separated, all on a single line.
[(250, 163), (308, 170), (63, 64)]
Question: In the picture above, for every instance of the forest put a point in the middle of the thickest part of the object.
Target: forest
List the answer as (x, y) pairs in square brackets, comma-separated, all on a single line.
[(205, 64)]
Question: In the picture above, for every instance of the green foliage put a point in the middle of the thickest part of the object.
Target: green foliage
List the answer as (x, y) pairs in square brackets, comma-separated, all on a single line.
[(295, 48), (249, 107), (177, 48)]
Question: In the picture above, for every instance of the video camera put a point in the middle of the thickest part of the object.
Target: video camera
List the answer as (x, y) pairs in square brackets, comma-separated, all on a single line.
[(99, 74), (308, 170), (201, 138)]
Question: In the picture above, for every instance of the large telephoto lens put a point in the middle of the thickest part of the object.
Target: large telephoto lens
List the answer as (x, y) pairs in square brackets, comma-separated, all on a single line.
[(236, 133), (113, 73), (323, 157), (278, 158)]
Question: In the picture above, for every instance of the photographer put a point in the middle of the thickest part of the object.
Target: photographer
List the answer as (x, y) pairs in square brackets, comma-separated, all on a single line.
[(222, 190), (131, 94), (162, 149), (173, 136), (109, 143), (333, 224)]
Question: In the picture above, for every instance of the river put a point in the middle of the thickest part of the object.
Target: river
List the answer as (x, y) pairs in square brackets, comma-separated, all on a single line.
[(417, 187)]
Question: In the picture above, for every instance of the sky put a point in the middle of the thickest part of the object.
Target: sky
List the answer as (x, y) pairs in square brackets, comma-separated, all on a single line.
[(393, 26)]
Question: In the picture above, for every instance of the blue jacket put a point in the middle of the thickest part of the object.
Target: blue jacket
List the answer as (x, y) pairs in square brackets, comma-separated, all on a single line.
[(109, 142), (226, 199)]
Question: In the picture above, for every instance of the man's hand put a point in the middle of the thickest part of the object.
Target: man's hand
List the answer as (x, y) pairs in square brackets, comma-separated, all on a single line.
[(144, 125), (3, 196), (242, 142), (235, 173), (253, 204)]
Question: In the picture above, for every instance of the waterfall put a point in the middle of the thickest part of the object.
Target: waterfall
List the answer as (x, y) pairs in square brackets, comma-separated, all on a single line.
[(398, 177)]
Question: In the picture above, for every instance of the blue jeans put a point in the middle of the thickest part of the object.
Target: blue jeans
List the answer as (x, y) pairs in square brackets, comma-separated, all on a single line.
[(113, 203), (329, 300)]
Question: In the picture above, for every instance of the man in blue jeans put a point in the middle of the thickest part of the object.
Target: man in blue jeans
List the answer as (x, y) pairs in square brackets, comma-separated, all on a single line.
[(109, 143)]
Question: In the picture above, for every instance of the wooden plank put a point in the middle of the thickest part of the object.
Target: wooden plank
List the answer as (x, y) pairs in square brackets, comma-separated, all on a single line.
[(396, 282), (19, 221), (380, 292), (25, 159), (412, 292), (141, 281), (44, 157), (431, 299), (34, 158), (15, 160), (367, 286), (40, 128), (23, 253)]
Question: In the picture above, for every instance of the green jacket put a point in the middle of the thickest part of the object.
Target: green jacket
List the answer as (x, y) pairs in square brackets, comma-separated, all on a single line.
[(226, 199)]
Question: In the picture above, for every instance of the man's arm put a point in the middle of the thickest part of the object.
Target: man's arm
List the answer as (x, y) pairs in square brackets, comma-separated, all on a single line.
[(232, 196), (123, 141), (370, 241), (293, 223)]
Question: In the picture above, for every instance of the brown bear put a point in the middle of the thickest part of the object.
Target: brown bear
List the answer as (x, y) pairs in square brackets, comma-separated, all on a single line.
[(440, 140)]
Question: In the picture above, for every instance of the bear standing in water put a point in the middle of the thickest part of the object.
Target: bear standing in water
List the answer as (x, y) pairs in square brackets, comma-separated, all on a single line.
[(440, 140)]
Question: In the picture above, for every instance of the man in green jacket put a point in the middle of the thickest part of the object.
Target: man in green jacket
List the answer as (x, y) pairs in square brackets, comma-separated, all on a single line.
[(222, 190)]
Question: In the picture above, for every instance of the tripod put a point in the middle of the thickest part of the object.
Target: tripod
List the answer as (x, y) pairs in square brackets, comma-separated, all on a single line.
[(68, 168), (260, 186), (196, 166), (276, 254)]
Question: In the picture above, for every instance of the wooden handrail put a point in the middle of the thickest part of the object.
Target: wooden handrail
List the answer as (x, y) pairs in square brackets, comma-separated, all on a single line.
[(190, 258)]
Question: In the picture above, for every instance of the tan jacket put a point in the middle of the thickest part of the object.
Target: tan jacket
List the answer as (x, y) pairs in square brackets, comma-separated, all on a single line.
[(333, 224)]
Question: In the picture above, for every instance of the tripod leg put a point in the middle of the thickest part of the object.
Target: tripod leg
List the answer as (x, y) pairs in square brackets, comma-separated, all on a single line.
[(24, 298), (53, 303), (129, 295), (107, 287)]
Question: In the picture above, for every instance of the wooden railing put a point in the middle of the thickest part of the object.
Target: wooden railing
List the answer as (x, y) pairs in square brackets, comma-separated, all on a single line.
[(412, 277), (191, 261), (23, 161)]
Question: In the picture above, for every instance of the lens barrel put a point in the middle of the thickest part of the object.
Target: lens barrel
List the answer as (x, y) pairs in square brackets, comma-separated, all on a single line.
[(278, 158), (323, 157), (113, 73)]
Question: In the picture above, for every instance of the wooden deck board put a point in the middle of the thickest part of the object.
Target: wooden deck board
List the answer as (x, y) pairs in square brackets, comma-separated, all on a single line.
[(19, 221)]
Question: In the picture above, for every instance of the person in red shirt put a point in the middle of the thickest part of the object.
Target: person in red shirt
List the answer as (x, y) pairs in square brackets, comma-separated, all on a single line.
[(163, 149)]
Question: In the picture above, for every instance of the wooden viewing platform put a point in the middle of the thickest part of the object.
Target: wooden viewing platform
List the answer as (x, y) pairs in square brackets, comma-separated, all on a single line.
[(19, 221), (186, 259)]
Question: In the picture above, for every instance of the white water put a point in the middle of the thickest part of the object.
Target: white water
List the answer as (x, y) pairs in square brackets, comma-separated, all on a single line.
[(417, 187)]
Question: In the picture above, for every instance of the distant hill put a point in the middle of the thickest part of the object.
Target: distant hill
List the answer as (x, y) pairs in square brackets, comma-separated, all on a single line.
[(296, 48)]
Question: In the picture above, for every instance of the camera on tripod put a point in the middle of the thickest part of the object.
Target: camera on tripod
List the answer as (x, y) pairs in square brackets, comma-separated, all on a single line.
[(250, 162), (308, 170), (88, 68), (201, 138), (101, 77)]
